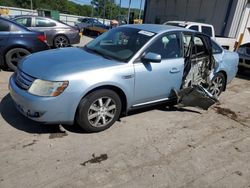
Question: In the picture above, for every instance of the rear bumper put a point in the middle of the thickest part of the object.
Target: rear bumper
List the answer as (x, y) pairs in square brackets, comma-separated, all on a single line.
[(75, 38)]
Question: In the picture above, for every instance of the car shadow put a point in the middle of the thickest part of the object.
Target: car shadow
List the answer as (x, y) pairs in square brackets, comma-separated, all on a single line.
[(6, 69), (91, 36), (11, 115), (163, 107), (244, 75)]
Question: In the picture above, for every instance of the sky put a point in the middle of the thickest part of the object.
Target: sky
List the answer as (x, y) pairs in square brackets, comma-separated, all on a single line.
[(125, 3)]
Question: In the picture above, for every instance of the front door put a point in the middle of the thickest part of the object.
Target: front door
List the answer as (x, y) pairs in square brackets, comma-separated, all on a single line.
[(154, 81)]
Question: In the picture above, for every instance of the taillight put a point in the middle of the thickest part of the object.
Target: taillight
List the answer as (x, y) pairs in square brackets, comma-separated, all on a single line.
[(42, 38)]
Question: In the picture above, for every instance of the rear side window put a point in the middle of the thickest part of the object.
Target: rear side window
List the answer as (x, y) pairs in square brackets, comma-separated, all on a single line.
[(216, 49), (24, 21), (207, 30), (4, 26), (199, 48), (43, 22), (194, 27)]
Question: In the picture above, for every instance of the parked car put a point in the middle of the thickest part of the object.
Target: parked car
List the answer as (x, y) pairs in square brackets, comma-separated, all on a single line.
[(128, 67), (244, 54), (16, 41), (58, 33), (91, 26), (208, 29)]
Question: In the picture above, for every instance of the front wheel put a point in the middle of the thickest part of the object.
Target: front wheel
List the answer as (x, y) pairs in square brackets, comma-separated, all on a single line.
[(218, 84), (98, 110)]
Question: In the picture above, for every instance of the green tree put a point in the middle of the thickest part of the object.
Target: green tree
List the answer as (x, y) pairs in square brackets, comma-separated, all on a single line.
[(112, 10)]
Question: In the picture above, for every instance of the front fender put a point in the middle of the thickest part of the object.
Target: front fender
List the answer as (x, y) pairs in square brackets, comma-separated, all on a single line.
[(89, 81)]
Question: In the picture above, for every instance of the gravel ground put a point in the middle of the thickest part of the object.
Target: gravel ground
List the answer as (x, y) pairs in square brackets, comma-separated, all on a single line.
[(156, 147)]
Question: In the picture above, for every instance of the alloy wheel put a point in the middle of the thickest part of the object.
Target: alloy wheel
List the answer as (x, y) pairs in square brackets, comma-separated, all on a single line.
[(216, 86), (101, 112), (61, 41)]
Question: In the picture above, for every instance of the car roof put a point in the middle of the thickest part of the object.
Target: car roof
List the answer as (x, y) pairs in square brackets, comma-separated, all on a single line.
[(23, 16), (188, 23), (27, 16), (34, 16), (156, 28)]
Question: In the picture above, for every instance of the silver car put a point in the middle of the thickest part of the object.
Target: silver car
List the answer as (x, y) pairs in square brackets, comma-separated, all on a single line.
[(128, 67), (244, 54), (58, 34)]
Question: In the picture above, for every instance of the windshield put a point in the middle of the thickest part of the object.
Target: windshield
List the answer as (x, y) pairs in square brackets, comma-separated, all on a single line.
[(120, 43)]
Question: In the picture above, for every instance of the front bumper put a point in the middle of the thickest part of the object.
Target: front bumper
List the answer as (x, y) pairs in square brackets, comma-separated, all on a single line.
[(48, 110)]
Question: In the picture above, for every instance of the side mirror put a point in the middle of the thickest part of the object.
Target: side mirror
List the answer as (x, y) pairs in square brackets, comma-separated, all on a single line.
[(151, 57)]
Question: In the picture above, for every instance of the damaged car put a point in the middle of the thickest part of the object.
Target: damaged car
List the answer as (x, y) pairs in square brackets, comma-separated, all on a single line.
[(126, 68)]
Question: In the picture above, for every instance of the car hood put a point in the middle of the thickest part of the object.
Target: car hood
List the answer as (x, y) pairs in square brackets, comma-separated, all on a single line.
[(57, 63)]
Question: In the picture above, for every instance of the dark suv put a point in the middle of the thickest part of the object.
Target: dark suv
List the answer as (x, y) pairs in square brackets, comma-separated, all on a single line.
[(16, 41)]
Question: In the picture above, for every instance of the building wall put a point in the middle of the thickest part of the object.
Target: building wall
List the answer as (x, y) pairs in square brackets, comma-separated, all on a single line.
[(245, 26), (236, 18), (219, 13)]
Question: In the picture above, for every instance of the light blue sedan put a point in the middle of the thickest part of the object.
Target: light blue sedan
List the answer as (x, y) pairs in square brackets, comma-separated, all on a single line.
[(125, 68)]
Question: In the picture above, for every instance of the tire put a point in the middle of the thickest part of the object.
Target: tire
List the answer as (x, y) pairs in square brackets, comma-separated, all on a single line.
[(60, 41), (218, 84), (13, 57), (86, 32), (99, 110)]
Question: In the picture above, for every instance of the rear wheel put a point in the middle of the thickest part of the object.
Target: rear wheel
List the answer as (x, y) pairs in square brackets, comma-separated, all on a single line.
[(14, 56), (99, 110), (218, 84), (61, 41)]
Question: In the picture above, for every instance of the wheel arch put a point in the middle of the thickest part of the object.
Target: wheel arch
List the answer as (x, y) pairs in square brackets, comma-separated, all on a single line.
[(114, 88), (17, 46)]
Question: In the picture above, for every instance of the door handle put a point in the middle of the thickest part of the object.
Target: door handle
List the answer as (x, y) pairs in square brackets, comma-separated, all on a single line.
[(174, 70)]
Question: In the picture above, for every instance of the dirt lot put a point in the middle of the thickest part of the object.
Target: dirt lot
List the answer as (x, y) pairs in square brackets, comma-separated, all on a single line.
[(157, 147)]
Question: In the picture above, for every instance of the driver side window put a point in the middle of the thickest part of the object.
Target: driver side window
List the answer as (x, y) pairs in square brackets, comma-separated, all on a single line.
[(168, 46)]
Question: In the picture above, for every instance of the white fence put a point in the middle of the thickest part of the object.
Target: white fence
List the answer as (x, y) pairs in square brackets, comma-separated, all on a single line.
[(12, 11), (67, 18)]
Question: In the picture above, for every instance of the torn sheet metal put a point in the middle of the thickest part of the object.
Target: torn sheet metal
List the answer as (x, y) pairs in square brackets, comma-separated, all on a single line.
[(196, 96)]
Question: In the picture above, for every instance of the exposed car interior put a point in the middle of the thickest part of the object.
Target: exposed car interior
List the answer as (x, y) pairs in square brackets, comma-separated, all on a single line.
[(198, 65)]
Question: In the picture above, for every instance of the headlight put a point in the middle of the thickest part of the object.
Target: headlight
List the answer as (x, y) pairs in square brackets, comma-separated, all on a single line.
[(47, 88)]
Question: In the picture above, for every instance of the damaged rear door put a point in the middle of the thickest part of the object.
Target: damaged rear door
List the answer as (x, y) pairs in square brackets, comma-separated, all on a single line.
[(199, 64)]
